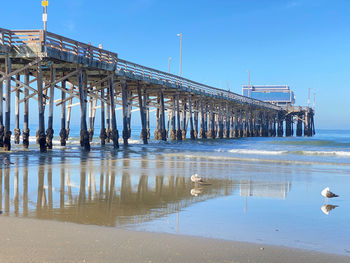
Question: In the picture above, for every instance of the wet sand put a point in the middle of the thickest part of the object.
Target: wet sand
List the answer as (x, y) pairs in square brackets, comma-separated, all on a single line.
[(28, 240)]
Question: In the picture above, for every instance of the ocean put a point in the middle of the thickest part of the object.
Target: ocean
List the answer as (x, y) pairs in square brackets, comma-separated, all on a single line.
[(259, 190)]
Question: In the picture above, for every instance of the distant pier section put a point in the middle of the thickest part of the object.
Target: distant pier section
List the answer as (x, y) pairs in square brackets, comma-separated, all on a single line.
[(36, 64)]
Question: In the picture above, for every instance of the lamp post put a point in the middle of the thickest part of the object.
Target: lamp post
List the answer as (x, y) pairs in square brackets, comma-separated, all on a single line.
[(44, 4), (180, 35), (170, 58)]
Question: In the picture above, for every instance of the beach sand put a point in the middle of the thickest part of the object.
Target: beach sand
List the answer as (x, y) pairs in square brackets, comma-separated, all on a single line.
[(29, 240)]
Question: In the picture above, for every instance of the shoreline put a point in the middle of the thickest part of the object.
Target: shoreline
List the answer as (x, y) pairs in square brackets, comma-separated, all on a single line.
[(31, 240)]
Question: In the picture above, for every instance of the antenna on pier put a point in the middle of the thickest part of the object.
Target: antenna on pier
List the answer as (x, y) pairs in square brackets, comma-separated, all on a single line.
[(249, 78), (308, 98), (228, 85), (44, 4)]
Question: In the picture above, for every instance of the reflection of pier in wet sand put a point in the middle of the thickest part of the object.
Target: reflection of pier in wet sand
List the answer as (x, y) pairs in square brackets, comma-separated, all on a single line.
[(99, 194)]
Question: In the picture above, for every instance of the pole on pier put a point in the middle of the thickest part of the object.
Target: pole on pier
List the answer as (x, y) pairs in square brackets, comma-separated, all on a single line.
[(128, 112), (299, 125), (202, 132), (125, 112), (195, 119), (7, 136), (221, 123), (91, 126), (50, 131), (241, 133), (103, 134), (184, 122), (206, 110), (82, 86), (246, 123), (227, 122), (114, 132), (108, 119), (1, 114), (26, 112), (211, 131), (69, 113), (280, 124), (192, 136), (41, 137), (173, 119), (232, 128), (261, 125), (157, 130), (288, 126), (236, 131), (93, 118), (17, 131), (146, 101), (142, 115), (45, 3), (178, 131), (162, 116), (313, 124), (63, 131)]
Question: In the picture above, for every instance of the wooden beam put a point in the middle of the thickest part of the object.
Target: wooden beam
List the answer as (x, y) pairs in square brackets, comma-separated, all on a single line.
[(8, 75), (50, 131), (17, 131), (142, 116), (63, 131), (26, 113), (82, 86), (115, 134), (7, 135), (125, 110), (103, 134), (41, 138), (1, 114)]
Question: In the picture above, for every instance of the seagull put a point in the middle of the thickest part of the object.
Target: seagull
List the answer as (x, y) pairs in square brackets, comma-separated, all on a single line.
[(327, 208), (327, 193), (7, 161), (196, 179)]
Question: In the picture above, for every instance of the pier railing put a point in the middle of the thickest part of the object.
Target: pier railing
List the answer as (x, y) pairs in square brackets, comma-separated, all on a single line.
[(5, 37), (140, 70), (45, 39)]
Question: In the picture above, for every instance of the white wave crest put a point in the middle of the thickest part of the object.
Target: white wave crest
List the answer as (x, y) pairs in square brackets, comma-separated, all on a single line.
[(256, 152), (326, 153)]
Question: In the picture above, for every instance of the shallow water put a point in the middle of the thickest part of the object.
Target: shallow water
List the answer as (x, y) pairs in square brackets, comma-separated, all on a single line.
[(264, 190)]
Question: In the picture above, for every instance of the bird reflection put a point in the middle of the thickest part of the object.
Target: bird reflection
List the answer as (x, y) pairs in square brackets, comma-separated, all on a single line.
[(327, 208), (196, 191), (7, 161)]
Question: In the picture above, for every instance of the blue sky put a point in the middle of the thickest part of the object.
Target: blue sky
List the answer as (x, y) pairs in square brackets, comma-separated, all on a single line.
[(301, 43)]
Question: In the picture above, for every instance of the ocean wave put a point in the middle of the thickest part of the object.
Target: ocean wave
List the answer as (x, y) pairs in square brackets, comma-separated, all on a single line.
[(261, 160), (323, 153), (256, 152)]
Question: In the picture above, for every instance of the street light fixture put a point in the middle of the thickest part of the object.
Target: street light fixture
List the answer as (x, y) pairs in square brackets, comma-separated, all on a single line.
[(180, 35), (170, 58)]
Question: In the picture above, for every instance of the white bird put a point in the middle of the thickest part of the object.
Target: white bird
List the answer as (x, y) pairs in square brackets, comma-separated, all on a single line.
[(196, 179), (327, 193), (327, 208)]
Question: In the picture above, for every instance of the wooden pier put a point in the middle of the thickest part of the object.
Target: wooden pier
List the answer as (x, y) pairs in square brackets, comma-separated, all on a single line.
[(35, 64)]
